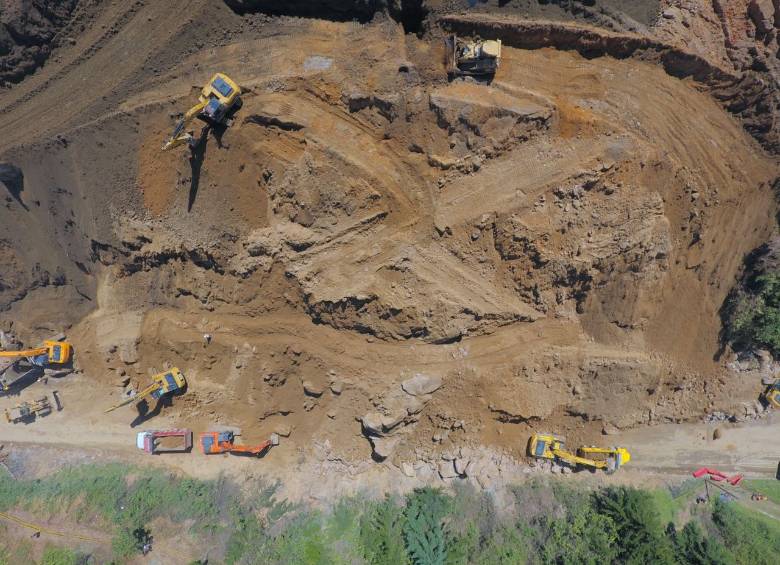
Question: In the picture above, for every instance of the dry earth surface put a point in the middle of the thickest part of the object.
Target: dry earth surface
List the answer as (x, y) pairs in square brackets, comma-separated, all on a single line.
[(391, 267)]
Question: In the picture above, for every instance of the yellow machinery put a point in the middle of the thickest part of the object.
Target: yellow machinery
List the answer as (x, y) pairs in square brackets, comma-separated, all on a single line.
[(51, 352), (474, 58), (772, 394), (217, 98), (27, 411), (164, 383), (548, 446)]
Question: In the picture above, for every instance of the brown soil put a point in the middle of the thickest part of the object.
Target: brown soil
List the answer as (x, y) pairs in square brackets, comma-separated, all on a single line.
[(555, 246)]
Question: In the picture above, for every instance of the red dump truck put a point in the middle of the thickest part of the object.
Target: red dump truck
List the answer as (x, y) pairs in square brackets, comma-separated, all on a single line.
[(164, 441)]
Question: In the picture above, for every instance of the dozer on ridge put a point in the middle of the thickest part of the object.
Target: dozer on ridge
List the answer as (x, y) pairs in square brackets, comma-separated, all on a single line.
[(552, 447)]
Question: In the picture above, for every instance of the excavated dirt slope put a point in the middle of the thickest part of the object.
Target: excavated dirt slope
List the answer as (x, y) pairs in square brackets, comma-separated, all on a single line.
[(547, 251)]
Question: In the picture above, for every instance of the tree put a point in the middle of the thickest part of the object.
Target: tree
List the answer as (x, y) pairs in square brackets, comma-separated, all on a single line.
[(424, 526), (639, 529), (694, 548), (381, 534)]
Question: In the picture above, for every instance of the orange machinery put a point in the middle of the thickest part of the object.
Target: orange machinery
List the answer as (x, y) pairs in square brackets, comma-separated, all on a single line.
[(224, 442)]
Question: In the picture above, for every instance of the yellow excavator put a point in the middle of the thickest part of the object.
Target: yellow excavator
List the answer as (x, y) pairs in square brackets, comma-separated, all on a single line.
[(220, 95), (552, 447), (163, 383), (771, 395), (50, 353)]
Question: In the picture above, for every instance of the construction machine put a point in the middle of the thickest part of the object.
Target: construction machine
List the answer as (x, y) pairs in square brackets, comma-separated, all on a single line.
[(472, 58), (553, 447), (224, 442), (50, 353), (168, 382), (220, 95), (27, 411), (156, 441), (771, 395)]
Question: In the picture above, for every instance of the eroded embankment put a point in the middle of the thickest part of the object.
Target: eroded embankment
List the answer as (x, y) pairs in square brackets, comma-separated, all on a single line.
[(743, 94)]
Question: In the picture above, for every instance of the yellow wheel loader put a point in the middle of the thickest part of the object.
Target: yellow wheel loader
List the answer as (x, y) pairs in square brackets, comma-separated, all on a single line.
[(553, 447), (220, 95)]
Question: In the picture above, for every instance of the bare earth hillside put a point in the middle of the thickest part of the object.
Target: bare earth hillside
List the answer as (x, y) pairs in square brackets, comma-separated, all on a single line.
[(390, 266)]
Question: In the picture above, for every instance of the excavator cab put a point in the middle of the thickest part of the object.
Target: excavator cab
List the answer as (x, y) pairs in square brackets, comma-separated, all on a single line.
[(169, 381), (58, 352), (543, 446), (772, 394)]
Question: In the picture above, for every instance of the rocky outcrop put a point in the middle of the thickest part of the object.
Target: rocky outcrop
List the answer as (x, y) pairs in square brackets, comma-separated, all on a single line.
[(28, 32)]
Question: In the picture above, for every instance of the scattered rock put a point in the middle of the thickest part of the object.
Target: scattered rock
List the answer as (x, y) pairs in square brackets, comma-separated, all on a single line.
[(312, 389), (609, 430), (669, 14), (420, 384), (337, 387), (372, 423), (390, 422), (128, 353), (407, 469), (283, 430), (331, 414), (384, 447), (717, 434), (447, 470), (462, 466)]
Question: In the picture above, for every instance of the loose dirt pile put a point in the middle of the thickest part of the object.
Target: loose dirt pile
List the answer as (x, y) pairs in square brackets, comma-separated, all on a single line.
[(547, 251)]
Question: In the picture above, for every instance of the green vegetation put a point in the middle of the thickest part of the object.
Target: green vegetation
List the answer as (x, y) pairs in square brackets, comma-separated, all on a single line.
[(753, 313), (538, 523), (769, 487)]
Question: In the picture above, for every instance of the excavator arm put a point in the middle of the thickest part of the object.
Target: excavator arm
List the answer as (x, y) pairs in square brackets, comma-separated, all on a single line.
[(140, 396), (251, 449), (24, 352), (576, 460), (178, 137)]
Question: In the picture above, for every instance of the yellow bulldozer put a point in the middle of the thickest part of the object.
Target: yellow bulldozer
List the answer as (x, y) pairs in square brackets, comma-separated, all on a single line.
[(217, 99), (472, 58), (553, 448)]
